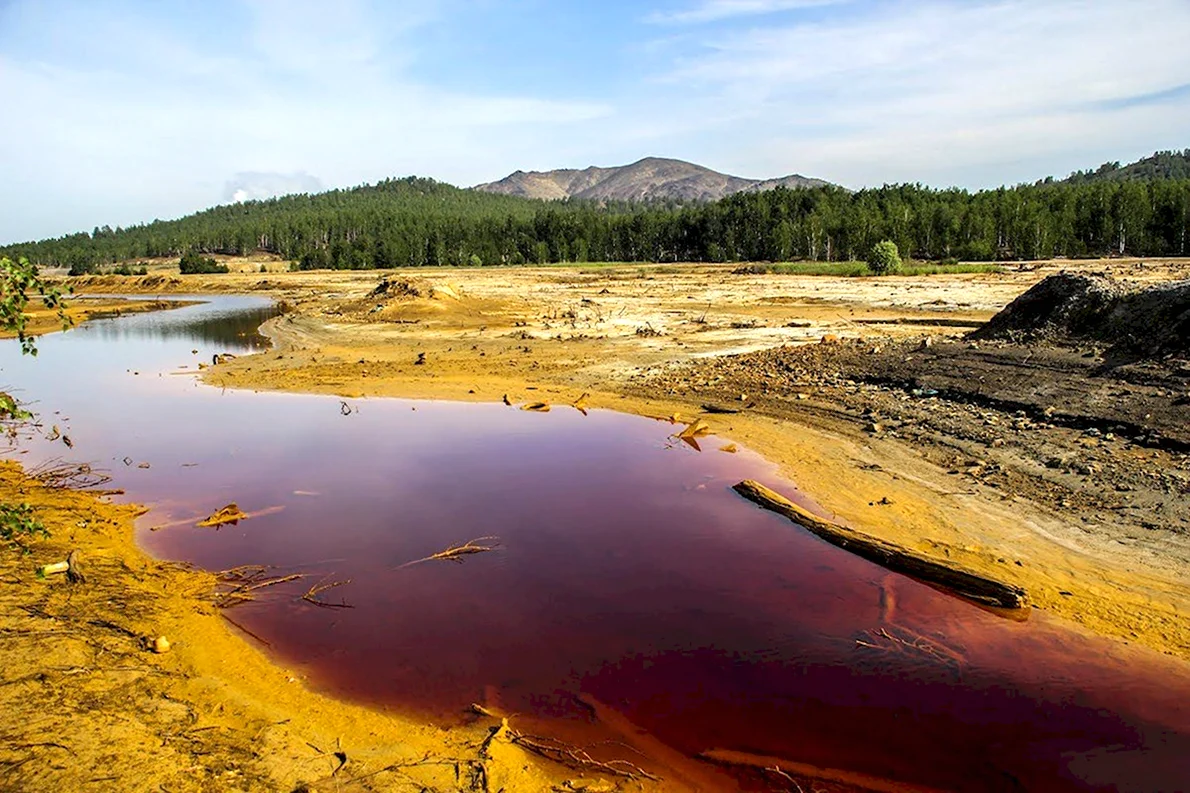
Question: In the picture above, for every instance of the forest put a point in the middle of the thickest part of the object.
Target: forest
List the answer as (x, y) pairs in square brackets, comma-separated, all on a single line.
[(415, 222)]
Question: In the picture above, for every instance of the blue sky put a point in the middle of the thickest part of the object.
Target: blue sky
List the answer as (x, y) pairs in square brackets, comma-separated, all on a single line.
[(122, 112)]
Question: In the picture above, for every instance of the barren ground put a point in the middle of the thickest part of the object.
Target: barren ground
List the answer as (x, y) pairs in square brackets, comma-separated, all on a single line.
[(1048, 467)]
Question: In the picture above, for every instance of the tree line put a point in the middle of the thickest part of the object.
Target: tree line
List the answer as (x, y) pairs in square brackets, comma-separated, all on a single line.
[(412, 222)]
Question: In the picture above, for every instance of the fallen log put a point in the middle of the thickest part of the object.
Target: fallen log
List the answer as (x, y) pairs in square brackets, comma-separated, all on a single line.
[(945, 575)]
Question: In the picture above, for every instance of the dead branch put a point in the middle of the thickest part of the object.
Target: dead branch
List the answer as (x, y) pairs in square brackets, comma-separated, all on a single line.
[(245, 630), (57, 473), (904, 641), (272, 581), (455, 553), (577, 757), (311, 595), (243, 581)]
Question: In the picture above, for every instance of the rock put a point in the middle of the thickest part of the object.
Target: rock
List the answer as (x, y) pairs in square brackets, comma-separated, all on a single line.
[(161, 645)]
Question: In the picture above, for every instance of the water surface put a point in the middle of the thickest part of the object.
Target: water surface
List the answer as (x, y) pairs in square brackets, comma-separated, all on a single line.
[(627, 574)]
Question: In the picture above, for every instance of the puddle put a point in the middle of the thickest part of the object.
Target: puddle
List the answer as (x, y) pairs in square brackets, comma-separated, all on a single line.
[(626, 575)]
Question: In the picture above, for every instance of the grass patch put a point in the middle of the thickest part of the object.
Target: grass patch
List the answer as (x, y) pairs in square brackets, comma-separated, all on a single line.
[(929, 268), (860, 269)]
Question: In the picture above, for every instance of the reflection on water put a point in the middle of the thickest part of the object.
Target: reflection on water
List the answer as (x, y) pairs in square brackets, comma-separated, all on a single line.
[(227, 323), (628, 576)]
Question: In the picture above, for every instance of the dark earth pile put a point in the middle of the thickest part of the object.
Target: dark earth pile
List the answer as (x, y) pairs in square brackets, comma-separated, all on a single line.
[(1154, 321)]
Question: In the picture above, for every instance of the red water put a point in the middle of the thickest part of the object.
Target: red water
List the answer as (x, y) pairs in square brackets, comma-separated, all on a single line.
[(627, 572)]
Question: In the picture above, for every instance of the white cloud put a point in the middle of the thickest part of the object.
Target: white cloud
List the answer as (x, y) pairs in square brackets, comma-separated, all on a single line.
[(716, 10), (929, 90), (152, 124)]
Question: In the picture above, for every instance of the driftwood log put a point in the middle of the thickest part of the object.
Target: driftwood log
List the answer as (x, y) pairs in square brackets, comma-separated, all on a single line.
[(945, 575)]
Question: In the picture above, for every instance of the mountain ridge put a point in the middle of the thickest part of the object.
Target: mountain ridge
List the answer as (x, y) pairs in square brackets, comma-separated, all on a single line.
[(1170, 164), (651, 178)]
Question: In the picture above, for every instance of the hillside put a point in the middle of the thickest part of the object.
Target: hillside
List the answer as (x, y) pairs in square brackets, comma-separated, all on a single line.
[(647, 179), (1161, 165), (414, 222)]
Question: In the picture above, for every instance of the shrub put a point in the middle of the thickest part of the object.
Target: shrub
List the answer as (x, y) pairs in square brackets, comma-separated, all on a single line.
[(17, 525), (884, 258), (194, 263)]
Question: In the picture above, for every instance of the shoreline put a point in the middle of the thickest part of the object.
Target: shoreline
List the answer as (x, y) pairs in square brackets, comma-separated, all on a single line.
[(82, 679), (82, 308)]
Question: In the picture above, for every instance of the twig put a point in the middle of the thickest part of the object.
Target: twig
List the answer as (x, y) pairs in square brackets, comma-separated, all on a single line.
[(245, 630), (57, 473), (576, 756), (312, 593), (455, 553)]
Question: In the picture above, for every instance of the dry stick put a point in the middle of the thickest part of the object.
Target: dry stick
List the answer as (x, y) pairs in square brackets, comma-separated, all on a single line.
[(57, 473), (249, 578), (884, 641), (456, 552), (575, 756), (270, 582), (776, 771), (312, 593), (946, 575), (245, 630)]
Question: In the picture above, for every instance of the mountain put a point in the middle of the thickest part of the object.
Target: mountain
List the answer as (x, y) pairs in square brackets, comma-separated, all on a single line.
[(1162, 165), (650, 178)]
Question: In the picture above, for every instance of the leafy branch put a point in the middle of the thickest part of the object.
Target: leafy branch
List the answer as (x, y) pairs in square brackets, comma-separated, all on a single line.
[(18, 280)]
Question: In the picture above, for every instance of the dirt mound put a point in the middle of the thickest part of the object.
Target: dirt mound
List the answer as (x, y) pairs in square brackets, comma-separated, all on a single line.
[(406, 289), (1154, 321), (1069, 306)]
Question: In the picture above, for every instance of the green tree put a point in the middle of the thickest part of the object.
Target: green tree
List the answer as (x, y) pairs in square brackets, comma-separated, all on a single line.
[(884, 258), (194, 263), (19, 279)]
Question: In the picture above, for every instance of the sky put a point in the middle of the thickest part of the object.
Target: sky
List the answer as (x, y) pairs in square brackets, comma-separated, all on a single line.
[(116, 113)]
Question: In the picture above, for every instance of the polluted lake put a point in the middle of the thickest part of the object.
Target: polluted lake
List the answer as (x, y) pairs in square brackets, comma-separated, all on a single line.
[(589, 571)]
